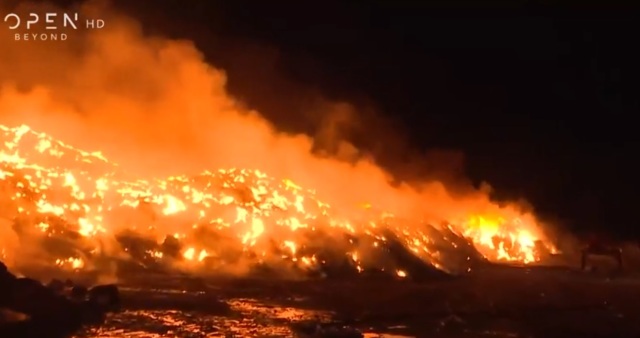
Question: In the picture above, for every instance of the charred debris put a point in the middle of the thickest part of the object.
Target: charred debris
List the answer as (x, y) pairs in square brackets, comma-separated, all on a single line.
[(29, 308)]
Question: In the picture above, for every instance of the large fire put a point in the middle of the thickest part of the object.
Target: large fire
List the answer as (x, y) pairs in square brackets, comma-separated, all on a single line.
[(52, 190), (301, 201)]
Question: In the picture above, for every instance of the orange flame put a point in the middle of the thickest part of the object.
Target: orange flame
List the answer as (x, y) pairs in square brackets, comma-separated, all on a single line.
[(44, 180), (282, 205)]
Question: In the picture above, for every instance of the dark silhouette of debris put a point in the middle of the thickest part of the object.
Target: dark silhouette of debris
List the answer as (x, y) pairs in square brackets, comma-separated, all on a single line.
[(57, 309)]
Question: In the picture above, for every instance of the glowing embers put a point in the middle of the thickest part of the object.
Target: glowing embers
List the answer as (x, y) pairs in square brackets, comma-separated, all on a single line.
[(223, 219)]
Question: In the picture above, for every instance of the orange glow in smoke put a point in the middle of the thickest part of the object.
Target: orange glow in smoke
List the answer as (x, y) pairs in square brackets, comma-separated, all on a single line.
[(183, 162)]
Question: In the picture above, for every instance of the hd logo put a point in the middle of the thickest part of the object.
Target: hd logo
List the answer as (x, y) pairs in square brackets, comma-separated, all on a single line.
[(50, 26)]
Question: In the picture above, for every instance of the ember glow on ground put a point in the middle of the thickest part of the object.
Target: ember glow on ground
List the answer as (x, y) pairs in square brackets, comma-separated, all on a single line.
[(51, 188)]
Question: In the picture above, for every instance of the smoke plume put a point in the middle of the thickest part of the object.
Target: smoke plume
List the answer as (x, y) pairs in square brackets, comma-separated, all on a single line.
[(154, 106)]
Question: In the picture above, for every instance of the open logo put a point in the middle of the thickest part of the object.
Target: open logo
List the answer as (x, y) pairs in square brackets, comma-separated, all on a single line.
[(50, 26)]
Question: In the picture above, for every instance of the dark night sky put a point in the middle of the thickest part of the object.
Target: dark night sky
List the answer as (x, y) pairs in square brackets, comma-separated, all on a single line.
[(541, 100)]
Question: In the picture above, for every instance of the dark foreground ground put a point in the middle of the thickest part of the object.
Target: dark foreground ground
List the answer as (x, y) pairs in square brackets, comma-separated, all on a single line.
[(492, 302)]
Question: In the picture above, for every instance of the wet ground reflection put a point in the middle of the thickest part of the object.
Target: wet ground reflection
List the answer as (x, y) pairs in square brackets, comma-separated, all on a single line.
[(500, 303), (249, 318)]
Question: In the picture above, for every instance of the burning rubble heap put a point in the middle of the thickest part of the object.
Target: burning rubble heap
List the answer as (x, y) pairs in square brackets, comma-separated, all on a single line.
[(77, 208)]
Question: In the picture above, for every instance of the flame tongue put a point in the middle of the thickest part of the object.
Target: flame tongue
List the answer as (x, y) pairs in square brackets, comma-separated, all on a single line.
[(56, 191)]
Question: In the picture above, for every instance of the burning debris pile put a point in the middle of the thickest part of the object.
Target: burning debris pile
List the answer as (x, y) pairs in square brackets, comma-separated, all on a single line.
[(76, 210)]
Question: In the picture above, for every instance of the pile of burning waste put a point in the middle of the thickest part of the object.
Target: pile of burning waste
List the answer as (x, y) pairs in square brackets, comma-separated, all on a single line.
[(75, 210)]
